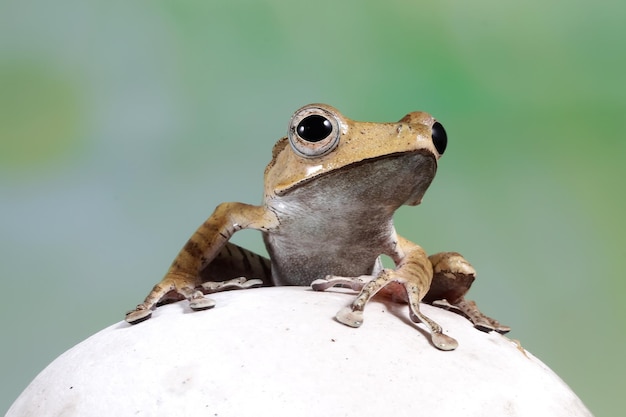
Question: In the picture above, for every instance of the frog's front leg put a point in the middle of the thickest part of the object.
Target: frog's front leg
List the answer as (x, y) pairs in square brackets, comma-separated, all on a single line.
[(184, 279), (452, 277), (413, 273)]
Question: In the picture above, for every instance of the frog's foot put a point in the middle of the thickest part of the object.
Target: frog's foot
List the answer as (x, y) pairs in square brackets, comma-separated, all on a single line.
[(240, 283), (353, 315), (171, 288), (139, 314), (355, 283), (349, 316), (469, 309), (198, 302)]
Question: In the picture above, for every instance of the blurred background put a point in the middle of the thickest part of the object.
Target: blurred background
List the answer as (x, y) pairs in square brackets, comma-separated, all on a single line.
[(123, 124)]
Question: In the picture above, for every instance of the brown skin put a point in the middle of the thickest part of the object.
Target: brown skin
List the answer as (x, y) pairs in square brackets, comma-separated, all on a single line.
[(331, 190)]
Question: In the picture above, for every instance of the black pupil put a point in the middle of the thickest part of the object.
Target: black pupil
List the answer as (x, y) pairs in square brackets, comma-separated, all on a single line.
[(314, 128), (440, 139)]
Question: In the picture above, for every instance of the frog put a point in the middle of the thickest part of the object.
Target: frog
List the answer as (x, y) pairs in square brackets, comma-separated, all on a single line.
[(330, 193)]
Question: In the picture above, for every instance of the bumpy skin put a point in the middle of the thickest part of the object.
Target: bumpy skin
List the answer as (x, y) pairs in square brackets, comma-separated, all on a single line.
[(331, 190)]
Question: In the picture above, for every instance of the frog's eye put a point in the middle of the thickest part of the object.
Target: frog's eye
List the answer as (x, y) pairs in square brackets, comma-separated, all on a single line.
[(440, 139), (314, 128), (313, 131)]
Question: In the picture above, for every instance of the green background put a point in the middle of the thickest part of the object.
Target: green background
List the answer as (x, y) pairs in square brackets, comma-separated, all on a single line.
[(122, 124)]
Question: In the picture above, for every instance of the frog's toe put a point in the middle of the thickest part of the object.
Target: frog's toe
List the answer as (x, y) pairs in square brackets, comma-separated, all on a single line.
[(138, 315), (487, 324), (233, 284), (502, 329), (201, 303), (350, 317), (354, 283), (470, 310), (322, 284), (251, 283), (443, 342)]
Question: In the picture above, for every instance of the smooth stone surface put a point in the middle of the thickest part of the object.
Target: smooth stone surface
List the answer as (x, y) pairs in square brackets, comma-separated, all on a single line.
[(279, 352)]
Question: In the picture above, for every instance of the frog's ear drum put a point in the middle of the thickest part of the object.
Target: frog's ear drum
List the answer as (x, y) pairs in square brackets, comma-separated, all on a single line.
[(314, 131)]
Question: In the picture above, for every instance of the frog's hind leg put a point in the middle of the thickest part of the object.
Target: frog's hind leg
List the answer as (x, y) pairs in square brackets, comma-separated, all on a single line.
[(453, 276), (233, 268)]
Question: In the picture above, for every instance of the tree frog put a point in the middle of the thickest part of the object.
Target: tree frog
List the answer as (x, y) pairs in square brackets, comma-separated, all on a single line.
[(331, 190)]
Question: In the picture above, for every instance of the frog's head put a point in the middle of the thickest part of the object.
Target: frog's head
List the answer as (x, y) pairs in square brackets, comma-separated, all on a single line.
[(401, 156)]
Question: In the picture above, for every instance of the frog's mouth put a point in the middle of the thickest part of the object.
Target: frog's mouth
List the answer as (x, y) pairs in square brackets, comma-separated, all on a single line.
[(398, 178)]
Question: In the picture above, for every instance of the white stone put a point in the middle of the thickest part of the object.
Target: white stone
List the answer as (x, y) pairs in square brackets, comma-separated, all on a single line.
[(279, 352)]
